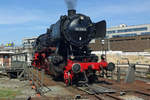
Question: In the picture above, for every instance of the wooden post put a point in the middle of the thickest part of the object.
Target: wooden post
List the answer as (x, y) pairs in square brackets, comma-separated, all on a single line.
[(112, 73), (32, 76), (24, 65), (149, 69), (37, 76), (28, 73), (42, 78), (37, 80), (118, 74), (17, 74)]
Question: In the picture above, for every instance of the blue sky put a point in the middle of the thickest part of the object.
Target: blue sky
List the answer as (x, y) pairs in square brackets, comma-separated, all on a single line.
[(27, 18)]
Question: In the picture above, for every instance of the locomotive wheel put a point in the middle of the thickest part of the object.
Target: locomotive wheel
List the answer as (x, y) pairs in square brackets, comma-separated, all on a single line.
[(91, 75), (56, 71), (56, 66)]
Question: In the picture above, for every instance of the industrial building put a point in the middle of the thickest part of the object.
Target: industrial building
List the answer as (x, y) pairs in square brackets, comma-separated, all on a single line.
[(128, 31)]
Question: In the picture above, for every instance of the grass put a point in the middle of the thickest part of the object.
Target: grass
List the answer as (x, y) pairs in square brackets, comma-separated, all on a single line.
[(8, 93)]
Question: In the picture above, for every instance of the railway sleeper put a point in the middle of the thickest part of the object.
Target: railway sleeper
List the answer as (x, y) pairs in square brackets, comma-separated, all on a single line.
[(95, 89)]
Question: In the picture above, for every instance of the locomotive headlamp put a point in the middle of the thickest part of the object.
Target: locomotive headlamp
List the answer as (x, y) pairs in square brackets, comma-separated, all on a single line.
[(81, 17), (76, 68), (72, 57)]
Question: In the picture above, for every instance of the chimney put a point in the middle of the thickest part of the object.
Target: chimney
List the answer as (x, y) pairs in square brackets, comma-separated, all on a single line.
[(71, 12)]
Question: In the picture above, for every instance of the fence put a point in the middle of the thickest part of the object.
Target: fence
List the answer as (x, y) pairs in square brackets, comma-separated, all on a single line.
[(36, 78), (141, 70)]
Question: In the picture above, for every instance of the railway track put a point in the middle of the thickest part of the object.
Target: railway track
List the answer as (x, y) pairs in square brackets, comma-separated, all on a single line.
[(105, 90)]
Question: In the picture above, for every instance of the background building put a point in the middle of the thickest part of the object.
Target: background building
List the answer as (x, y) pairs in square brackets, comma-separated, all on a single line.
[(28, 42), (128, 31), (28, 48), (124, 38), (5, 58), (20, 53)]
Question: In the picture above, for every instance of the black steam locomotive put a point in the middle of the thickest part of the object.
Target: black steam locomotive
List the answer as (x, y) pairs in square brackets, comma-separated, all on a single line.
[(71, 32), (63, 50)]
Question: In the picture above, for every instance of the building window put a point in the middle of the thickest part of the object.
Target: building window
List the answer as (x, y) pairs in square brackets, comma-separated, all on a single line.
[(6, 57), (145, 33), (127, 30), (110, 32), (125, 35), (132, 30)]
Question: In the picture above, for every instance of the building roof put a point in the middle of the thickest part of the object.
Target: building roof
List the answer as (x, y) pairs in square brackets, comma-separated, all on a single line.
[(126, 26), (6, 52), (30, 38)]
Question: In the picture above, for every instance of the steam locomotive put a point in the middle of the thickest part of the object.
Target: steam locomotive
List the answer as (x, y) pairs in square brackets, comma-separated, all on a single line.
[(63, 50)]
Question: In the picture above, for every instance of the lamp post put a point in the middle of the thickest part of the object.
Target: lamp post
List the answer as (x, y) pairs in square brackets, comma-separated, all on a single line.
[(103, 44), (108, 44)]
